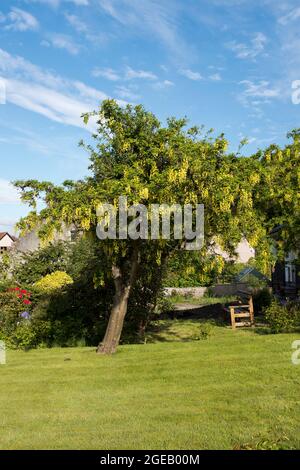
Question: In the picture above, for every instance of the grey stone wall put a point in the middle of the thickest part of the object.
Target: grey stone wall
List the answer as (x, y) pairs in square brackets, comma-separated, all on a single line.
[(219, 290)]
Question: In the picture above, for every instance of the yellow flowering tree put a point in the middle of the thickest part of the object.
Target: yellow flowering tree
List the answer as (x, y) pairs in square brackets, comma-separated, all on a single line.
[(136, 156)]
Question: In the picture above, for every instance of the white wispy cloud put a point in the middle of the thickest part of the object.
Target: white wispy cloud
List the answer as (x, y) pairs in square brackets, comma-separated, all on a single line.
[(131, 74), (126, 93), (52, 104), (257, 94), (89, 92), (96, 38), (56, 3), (215, 77), (190, 74), (128, 74), (107, 73), (153, 18), (62, 41), (57, 98), (255, 47), (293, 15), (19, 20), (261, 89), (77, 23), (159, 85), (8, 193), (80, 2)]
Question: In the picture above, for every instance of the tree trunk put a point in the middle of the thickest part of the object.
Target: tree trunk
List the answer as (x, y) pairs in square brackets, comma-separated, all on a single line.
[(119, 309)]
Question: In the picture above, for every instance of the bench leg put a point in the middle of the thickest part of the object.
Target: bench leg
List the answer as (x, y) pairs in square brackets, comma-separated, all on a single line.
[(251, 310), (232, 318)]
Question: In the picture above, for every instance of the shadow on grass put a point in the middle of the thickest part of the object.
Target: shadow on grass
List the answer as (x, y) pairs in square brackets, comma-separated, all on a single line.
[(183, 330), (213, 311)]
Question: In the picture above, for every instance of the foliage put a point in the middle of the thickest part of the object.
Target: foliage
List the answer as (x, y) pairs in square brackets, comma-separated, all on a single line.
[(5, 264), (136, 156), (282, 317), (5, 285), (52, 282), (34, 265), (78, 313), (262, 299), (203, 332), (277, 201), (23, 337), (191, 269), (15, 326)]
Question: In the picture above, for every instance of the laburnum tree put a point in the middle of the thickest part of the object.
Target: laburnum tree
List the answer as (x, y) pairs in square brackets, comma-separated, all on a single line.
[(135, 156), (278, 193)]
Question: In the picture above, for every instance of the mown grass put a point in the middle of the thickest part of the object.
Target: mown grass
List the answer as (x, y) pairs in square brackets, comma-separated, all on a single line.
[(182, 299), (236, 389)]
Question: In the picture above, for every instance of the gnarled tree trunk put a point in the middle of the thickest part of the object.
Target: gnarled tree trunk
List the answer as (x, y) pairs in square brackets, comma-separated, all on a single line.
[(119, 309)]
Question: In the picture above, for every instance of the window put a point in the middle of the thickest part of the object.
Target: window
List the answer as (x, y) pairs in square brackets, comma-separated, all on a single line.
[(290, 273), (3, 249)]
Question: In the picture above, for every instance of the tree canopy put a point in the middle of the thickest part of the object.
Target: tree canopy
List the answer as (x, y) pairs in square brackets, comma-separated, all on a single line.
[(135, 156)]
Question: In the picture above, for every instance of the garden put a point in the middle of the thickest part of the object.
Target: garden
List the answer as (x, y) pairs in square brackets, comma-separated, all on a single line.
[(170, 372)]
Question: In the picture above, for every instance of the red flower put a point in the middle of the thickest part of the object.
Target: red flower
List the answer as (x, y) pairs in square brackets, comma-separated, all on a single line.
[(21, 293)]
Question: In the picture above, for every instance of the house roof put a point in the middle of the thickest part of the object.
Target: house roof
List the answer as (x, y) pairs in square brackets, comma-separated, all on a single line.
[(250, 270), (2, 235)]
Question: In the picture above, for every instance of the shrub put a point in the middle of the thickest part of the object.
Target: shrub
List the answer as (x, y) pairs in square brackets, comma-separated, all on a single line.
[(34, 265), (262, 299), (204, 331), (53, 282), (282, 317), (71, 305), (23, 337), (15, 325)]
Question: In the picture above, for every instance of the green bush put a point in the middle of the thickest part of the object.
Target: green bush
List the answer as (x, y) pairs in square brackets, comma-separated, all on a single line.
[(23, 337), (52, 282), (192, 269), (34, 265), (78, 312), (282, 317), (16, 328), (204, 331), (262, 299)]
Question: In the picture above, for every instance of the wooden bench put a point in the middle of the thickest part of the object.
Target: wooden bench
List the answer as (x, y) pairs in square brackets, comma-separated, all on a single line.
[(243, 310)]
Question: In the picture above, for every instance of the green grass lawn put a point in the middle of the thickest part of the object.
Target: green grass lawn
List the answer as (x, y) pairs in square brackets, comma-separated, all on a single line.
[(236, 389), (182, 299)]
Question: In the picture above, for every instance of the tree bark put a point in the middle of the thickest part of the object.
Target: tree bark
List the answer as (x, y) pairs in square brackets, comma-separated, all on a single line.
[(119, 309)]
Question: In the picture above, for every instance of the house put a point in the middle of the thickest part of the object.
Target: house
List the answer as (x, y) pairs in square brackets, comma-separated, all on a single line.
[(244, 252), (286, 278), (31, 242), (286, 272), (250, 272), (6, 242)]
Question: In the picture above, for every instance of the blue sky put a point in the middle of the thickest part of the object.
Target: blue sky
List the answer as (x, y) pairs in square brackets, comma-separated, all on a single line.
[(226, 64)]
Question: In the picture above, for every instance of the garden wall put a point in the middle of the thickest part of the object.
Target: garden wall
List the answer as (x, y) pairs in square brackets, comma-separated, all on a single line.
[(219, 290)]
